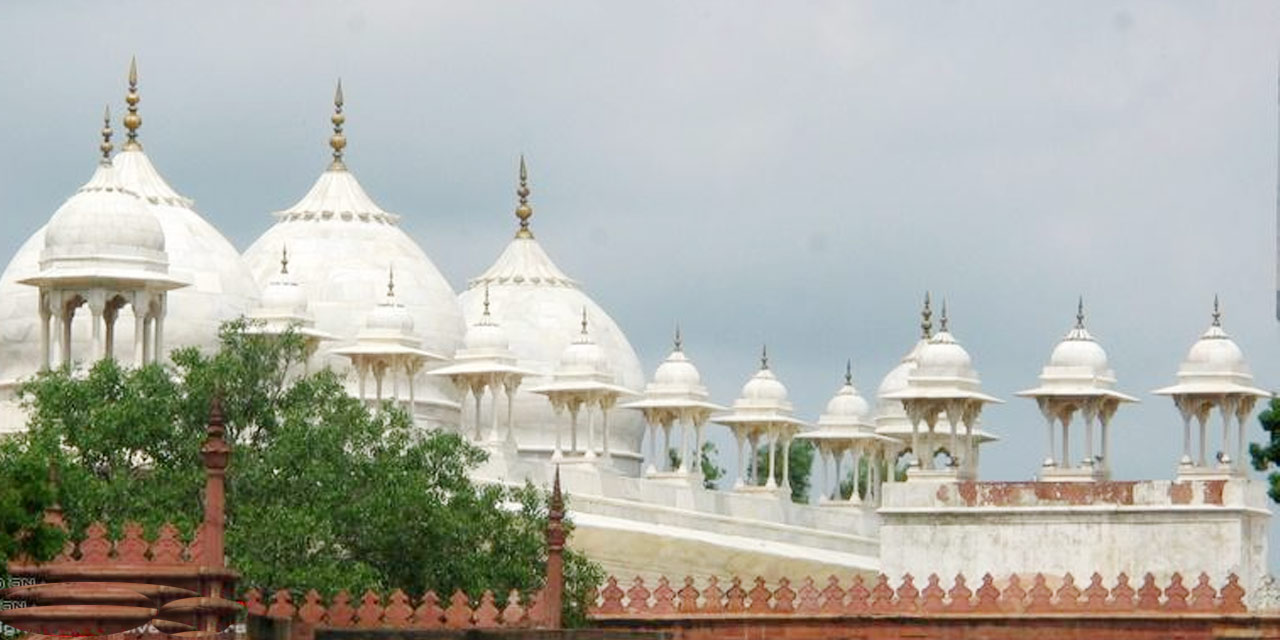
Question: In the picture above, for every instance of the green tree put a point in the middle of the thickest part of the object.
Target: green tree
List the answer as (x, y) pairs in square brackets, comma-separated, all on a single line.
[(711, 472), (800, 464), (26, 493), (321, 493), (1267, 456)]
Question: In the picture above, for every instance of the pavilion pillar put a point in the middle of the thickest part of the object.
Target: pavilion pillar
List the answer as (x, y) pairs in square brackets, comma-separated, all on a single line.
[(742, 459), (773, 448), (605, 406), (574, 406), (68, 315), (591, 430), (477, 390), (1201, 418), (45, 347), (162, 305), (855, 494), (664, 462), (510, 387), (494, 436), (786, 465), (1228, 410), (1065, 420), (834, 492), (1186, 438)]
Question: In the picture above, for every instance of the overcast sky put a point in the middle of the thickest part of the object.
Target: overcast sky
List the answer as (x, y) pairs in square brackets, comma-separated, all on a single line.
[(790, 173)]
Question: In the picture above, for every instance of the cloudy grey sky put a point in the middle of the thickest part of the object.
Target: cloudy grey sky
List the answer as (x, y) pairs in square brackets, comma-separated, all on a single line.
[(796, 173)]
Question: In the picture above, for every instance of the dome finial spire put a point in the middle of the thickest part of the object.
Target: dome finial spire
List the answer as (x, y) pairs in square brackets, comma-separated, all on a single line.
[(1080, 313), (132, 121), (391, 281), (106, 145), (337, 141), (679, 342), (584, 321), (486, 299), (764, 357), (524, 211), (926, 325), (942, 321), (284, 260), (848, 372), (1217, 312)]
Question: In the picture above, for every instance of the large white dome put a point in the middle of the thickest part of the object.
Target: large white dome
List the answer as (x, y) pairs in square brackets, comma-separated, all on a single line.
[(219, 286), (341, 245), (540, 309)]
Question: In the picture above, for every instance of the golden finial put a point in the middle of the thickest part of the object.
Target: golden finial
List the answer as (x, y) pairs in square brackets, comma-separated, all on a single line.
[(337, 141), (132, 121), (284, 260), (584, 321), (486, 299), (942, 326), (848, 372), (926, 325), (524, 211), (1080, 313), (391, 281), (764, 357), (1217, 312), (106, 145), (679, 342)]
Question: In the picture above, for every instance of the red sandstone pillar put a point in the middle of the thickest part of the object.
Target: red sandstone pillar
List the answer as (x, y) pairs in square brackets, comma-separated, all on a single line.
[(553, 592), (215, 452)]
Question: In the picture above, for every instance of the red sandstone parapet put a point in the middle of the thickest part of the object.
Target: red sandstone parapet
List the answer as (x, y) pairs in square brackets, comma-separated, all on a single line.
[(861, 599), (131, 548), (398, 611)]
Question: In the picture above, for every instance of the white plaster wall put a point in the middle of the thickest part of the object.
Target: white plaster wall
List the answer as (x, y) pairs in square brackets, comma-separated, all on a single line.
[(921, 533), (637, 526)]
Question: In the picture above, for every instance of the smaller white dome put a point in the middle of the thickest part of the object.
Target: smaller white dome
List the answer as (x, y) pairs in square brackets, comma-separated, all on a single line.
[(583, 355), (104, 220), (847, 404), (486, 336), (943, 353), (283, 294), (390, 315), (677, 371), (1081, 353), (764, 387), (1216, 350)]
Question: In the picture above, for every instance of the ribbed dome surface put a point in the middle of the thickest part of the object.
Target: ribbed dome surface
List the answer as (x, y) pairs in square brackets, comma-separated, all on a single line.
[(341, 245), (540, 309), (104, 219), (219, 286)]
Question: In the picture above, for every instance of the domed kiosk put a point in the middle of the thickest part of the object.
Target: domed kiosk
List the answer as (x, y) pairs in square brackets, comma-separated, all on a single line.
[(341, 245), (540, 308), (219, 287)]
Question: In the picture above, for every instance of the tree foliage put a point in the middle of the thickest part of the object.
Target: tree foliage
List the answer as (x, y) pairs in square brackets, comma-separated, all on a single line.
[(322, 493), (1267, 456), (711, 472), (800, 464)]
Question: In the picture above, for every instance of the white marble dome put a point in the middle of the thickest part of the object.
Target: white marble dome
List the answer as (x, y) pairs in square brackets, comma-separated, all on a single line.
[(847, 405), (764, 388), (943, 353), (1079, 352), (104, 219), (677, 371), (1215, 350), (890, 417), (283, 294), (486, 336), (540, 309), (341, 245), (219, 286)]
